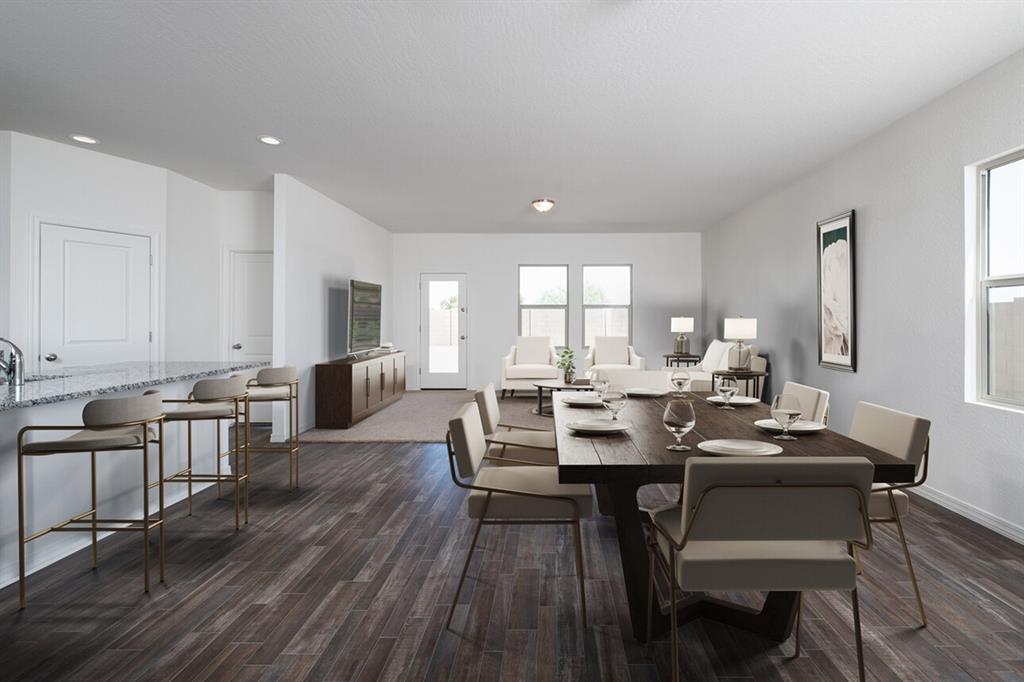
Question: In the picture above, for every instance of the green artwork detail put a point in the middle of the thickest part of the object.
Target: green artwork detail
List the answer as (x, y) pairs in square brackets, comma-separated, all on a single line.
[(832, 236)]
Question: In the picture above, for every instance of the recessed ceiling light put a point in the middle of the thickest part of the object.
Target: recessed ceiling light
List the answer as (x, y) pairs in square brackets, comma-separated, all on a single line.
[(270, 139), (84, 139), (543, 205)]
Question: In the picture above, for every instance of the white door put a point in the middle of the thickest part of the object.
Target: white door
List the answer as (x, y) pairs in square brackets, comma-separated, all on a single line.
[(442, 331), (94, 297), (251, 305)]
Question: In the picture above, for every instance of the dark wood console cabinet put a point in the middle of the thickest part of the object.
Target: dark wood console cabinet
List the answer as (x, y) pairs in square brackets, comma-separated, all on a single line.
[(351, 389)]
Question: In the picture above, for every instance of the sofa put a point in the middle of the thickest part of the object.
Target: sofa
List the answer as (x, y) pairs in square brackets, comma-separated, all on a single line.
[(532, 359), (612, 352), (717, 357)]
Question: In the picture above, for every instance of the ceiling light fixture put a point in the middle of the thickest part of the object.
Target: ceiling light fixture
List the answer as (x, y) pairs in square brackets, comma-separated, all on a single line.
[(270, 139), (84, 139), (543, 205)]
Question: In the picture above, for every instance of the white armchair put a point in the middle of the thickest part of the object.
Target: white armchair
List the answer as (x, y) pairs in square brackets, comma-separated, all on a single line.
[(532, 359), (612, 352), (717, 357)]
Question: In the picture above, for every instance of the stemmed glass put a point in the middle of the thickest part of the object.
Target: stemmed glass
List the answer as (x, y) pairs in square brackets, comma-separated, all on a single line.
[(786, 411), (614, 399), (598, 381), (681, 381), (679, 419), (726, 389)]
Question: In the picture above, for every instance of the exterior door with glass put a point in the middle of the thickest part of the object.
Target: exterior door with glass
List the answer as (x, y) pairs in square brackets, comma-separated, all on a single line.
[(443, 331)]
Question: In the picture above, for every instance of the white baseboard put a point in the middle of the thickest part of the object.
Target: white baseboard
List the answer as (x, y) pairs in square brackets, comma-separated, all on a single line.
[(980, 516)]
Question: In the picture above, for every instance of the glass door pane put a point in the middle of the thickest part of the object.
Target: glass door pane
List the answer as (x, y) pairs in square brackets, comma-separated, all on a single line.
[(443, 327)]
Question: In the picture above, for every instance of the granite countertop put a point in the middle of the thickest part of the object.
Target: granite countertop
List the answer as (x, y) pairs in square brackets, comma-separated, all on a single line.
[(68, 383)]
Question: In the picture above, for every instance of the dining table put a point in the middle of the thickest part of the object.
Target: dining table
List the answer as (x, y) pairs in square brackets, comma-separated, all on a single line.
[(618, 465)]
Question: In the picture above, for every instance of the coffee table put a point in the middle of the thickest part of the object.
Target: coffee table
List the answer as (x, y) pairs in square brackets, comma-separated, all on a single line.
[(546, 408)]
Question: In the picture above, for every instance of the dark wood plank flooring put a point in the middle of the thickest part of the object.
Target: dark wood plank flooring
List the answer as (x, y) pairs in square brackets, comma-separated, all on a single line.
[(349, 578)]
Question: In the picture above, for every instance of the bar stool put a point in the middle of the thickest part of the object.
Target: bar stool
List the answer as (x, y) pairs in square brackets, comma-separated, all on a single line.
[(271, 385), (214, 400), (110, 425)]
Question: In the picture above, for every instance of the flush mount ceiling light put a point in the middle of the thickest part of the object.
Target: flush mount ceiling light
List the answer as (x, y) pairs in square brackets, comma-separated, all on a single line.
[(543, 205), (84, 139), (270, 139)]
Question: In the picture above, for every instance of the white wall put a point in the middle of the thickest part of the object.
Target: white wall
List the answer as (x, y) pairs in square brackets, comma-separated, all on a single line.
[(666, 282), (5, 231), (318, 245), (907, 186)]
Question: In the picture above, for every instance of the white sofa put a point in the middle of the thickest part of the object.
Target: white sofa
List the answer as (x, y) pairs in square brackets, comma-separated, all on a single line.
[(612, 352), (532, 359), (717, 357)]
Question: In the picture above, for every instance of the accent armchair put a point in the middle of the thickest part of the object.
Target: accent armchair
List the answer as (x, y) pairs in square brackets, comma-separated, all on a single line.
[(532, 359), (612, 352), (716, 357)]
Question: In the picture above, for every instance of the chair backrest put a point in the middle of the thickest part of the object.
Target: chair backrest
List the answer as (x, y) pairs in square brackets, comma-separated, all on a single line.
[(219, 389), (115, 411), (713, 355), (777, 498), (900, 434), (533, 350), (466, 435), (639, 378), (487, 401), (269, 376), (611, 350), (813, 401)]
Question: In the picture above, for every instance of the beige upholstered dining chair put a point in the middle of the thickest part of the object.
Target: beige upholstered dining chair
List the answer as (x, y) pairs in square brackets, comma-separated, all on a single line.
[(813, 401), (752, 524), (108, 425), (524, 443), (511, 495), (905, 436)]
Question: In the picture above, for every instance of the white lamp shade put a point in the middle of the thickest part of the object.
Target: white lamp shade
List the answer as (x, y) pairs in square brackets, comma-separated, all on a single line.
[(740, 328), (682, 325)]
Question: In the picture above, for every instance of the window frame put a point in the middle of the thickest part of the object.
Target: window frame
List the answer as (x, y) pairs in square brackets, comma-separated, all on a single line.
[(584, 306), (984, 283), (520, 306)]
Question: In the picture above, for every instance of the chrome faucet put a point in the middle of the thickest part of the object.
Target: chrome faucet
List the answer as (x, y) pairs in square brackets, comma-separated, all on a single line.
[(13, 369)]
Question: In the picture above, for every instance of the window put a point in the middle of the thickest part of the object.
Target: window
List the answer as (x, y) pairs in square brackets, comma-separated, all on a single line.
[(607, 301), (544, 302), (1000, 376)]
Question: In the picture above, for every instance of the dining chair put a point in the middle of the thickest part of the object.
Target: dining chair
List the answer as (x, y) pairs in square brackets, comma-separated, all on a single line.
[(761, 525), (905, 436), (511, 495), (813, 401), (524, 443)]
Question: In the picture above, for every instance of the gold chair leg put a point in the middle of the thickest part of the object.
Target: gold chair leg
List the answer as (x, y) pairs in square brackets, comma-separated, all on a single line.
[(906, 556), (291, 455), (857, 635), (856, 561), (145, 507), (579, 569), (237, 473), (94, 510), (219, 450), (189, 424), (296, 445), (21, 526), (465, 567), (160, 490)]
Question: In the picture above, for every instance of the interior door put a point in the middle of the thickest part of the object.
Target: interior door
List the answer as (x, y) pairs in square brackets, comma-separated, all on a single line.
[(94, 296), (443, 331), (251, 302)]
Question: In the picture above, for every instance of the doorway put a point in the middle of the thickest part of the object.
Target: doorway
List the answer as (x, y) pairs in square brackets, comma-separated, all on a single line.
[(443, 331)]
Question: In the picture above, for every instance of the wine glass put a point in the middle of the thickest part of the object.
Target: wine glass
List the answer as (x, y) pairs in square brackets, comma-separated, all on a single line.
[(679, 419), (681, 381), (726, 389), (598, 381), (614, 399), (786, 411)]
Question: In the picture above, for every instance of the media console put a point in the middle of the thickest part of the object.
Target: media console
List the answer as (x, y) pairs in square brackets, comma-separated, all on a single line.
[(351, 389)]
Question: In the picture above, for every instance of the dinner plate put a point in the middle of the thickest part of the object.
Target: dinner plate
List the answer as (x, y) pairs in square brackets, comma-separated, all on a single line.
[(801, 426), (732, 447), (646, 392), (736, 400), (582, 400), (598, 426)]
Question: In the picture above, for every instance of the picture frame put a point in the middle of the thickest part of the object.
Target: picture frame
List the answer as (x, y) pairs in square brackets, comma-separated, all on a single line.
[(837, 309)]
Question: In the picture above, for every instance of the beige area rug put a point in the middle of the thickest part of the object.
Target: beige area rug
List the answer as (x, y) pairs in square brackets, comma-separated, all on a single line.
[(422, 417)]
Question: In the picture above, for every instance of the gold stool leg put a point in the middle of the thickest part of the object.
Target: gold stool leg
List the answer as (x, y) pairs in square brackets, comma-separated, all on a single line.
[(218, 449), (236, 473), (906, 556), (291, 454), (94, 510), (189, 467), (296, 444), (21, 524), (160, 488), (145, 507)]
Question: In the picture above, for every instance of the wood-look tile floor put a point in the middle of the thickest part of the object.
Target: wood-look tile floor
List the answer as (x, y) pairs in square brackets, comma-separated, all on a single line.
[(349, 578)]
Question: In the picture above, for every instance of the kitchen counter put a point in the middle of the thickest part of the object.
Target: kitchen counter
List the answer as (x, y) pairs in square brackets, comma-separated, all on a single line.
[(70, 383)]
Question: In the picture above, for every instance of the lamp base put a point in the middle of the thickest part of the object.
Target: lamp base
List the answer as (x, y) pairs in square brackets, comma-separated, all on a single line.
[(739, 357), (682, 345)]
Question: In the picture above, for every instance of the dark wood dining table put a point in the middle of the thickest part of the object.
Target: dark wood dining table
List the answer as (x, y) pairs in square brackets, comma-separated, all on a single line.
[(622, 463)]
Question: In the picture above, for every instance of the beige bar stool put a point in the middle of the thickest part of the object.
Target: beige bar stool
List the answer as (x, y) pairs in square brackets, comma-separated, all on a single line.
[(272, 385), (110, 425), (214, 400)]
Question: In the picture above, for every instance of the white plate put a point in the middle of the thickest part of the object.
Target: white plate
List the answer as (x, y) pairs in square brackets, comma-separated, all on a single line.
[(646, 392), (736, 400), (598, 426), (582, 400), (732, 447), (801, 426)]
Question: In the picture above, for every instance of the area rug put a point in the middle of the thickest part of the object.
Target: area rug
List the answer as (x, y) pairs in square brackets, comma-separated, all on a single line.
[(422, 417)]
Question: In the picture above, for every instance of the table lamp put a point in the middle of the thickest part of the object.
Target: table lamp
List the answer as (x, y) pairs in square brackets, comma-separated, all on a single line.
[(740, 329), (682, 326)]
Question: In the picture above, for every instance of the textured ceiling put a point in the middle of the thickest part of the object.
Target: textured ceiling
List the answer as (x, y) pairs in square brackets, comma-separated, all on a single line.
[(431, 116)]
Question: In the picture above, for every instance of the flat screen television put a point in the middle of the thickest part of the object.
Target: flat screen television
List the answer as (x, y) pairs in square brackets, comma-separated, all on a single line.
[(364, 302)]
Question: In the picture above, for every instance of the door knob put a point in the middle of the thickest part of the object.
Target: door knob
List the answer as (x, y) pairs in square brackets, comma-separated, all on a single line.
[(50, 357), (462, 338), (237, 346)]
